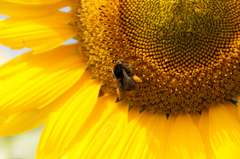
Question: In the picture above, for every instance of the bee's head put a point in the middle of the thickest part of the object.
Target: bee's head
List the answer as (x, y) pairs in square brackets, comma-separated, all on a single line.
[(117, 71), (120, 63)]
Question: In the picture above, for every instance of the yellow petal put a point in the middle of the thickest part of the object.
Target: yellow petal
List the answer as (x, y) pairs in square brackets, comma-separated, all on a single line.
[(63, 124), (101, 127), (224, 133), (143, 138), (238, 105), (171, 120), (233, 109), (238, 110), (31, 10), (185, 140), (33, 81), (195, 117), (203, 126), (24, 121), (33, 1), (133, 113), (40, 34)]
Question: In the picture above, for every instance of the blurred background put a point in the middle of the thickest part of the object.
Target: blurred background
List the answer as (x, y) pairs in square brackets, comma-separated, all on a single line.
[(22, 146)]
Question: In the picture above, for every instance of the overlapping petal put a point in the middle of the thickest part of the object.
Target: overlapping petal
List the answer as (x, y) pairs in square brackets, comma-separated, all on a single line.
[(31, 10), (232, 109), (224, 132), (65, 121), (33, 2), (184, 140), (33, 81), (220, 132), (40, 34), (98, 132), (133, 113), (203, 127), (238, 98), (24, 121), (195, 117), (142, 138)]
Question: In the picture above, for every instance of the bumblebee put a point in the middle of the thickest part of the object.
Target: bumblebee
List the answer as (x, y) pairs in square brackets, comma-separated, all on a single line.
[(126, 83)]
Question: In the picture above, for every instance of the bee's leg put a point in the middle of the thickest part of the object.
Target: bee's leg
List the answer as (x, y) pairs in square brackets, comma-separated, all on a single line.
[(120, 86), (130, 65), (119, 94), (118, 91), (136, 78), (132, 91), (103, 90), (113, 75), (128, 68)]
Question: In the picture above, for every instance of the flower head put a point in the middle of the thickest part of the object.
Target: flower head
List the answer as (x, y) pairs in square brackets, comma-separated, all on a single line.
[(182, 57)]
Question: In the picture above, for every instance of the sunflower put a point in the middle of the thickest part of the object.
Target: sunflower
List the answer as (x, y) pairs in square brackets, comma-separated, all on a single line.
[(185, 53)]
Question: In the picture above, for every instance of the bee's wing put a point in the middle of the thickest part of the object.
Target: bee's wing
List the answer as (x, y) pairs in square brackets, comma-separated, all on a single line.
[(128, 82)]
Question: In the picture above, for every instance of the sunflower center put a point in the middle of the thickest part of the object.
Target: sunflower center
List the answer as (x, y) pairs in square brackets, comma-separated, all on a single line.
[(186, 52), (173, 36)]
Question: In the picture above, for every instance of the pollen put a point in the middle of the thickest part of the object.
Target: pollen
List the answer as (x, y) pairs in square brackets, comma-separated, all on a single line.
[(185, 52)]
